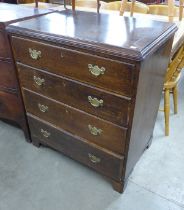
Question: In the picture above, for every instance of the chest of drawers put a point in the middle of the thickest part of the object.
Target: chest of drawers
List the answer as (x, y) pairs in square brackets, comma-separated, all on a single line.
[(11, 107), (92, 90)]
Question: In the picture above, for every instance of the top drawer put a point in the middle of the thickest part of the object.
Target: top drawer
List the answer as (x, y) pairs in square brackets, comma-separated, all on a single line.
[(4, 46), (104, 73)]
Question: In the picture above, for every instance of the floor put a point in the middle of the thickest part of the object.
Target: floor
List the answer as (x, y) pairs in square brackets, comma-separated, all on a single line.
[(41, 179)]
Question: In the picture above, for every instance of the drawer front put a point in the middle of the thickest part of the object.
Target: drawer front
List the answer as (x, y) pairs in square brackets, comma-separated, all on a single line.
[(4, 46), (76, 122), (107, 163), (7, 75), (10, 107), (113, 76), (88, 99)]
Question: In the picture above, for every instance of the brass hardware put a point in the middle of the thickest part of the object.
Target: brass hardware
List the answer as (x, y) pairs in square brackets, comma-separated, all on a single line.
[(93, 158), (45, 133), (94, 131), (95, 102), (34, 54), (43, 108), (95, 70), (38, 81)]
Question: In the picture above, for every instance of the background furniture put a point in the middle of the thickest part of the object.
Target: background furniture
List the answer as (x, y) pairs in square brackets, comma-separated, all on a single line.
[(170, 9), (111, 91), (11, 107), (138, 7), (170, 85), (9, 1), (176, 57)]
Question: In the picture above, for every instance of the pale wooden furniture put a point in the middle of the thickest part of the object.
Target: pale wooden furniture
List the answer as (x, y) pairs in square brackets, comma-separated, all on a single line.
[(170, 9), (181, 6), (89, 3), (170, 85), (162, 9), (124, 5), (138, 7)]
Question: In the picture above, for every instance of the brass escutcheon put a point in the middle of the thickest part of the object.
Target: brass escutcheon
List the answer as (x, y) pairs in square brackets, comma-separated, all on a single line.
[(38, 80), (45, 133), (95, 102), (95, 70), (94, 131), (34, 54), (93, 158), (43, 108)]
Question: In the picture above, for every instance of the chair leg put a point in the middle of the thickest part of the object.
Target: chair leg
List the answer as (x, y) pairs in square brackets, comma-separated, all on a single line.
[(36, 3), (171, 9), (166, 110), (132, 8), (73, 5), (98, 6), (181, 9), (175, 99), (123, 6)]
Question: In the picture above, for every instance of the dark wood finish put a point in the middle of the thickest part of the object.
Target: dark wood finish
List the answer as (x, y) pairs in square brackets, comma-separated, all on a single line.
[(9, 110), (4, 46), (118, 186), (75, 94), (148, 92), (111, 164), (152, 1), (12, 13), (129, 43), (61, 61), (7, 76), (11, 101), (135, 56), (76, 122)]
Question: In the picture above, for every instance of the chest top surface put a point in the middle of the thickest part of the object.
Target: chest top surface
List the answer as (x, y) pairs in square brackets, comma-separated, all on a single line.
[(134, 38), (10, 13)]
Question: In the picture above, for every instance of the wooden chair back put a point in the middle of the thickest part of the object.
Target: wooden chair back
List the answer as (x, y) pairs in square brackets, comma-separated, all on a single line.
[(181, 6), (138, 7), (175, 66), (171, 9)]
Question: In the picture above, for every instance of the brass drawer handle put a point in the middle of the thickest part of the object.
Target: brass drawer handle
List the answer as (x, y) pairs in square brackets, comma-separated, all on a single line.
[(34, 54), (62, 56), (95, 70), (43, 108), (95, 102), (38, 80), (94, 131), (45, 133), (93, 158)]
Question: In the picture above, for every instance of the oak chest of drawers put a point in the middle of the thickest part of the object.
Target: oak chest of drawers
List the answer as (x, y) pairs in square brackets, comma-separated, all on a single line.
[(92, 90), (11, 107)]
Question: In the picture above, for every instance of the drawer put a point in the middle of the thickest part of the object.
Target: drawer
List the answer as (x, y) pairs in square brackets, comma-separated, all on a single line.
[(76, 122), (7, 75), (4, 46), (103, 161), (117, 77), (10, 107), (75, 94)]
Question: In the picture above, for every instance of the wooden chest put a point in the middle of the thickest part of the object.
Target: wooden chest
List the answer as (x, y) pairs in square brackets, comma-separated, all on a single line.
[(11, 107), (91, 87)]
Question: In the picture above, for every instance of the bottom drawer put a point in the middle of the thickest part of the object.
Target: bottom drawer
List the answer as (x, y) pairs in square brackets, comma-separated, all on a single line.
[(10, 106), (103, 161)]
